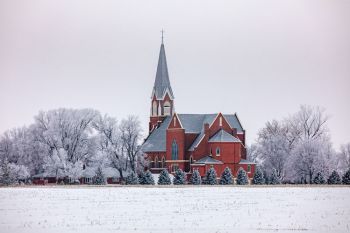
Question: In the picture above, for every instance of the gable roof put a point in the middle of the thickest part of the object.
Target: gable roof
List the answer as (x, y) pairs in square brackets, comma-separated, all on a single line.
[(223, 136), (192, 123), (162, 82), (208, 160)]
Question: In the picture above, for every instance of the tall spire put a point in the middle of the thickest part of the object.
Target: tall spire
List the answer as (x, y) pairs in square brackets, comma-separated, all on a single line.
[(162, 82)]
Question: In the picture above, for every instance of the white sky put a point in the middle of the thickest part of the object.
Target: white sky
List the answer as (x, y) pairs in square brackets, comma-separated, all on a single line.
[(261, 59)]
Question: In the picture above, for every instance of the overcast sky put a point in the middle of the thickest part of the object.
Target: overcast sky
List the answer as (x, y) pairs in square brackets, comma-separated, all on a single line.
[(261, 59)]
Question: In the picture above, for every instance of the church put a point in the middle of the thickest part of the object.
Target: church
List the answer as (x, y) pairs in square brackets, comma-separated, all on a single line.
[(191, 141)]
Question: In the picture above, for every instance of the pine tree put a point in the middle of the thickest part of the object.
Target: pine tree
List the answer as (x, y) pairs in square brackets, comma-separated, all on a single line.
[(196, 178), (258, 177), (242, 178), (132, 179), (146, 178), (100, 178), (164, 178), (346, 177), (179, 177), (334, 178), (226, 177), (210, 177), (274, 178), (319, 179)]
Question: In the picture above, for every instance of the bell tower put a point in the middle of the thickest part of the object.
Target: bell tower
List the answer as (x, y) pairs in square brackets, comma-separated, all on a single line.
[(162, 99)]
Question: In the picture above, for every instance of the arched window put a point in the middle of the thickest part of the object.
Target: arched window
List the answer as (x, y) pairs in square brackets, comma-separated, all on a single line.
[(167, 108), (163, 162), (154, 108), (174, 151), (191, 160), (217, 151), (249, 168), (156, 162)]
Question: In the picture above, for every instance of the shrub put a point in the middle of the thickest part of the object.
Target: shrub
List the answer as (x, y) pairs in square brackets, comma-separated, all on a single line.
[(274, 177), (132, 179), (334, 178), (346, 177), (258, 177), (146, 178), (242, 178), (226, 177), (319, 179), (210, 177), (164, 178), (196, 178), (179, 177)]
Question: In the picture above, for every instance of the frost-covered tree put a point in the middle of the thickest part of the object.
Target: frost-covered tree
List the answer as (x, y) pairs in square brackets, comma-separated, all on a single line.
[(109, 143), (334, 178), (132, 179), (100, 178), (274, 179), (319, 179), (11, 173), (196, 178), (344, 157), (274, 148), (242, 178), (346, 177), (146, 178), (258, 177), (210, 177), (130, 137), (179, 177), (164, 178), (226, 177)]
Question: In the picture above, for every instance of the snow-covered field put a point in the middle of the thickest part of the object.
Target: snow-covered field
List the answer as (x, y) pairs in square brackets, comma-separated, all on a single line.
[(187, 209)]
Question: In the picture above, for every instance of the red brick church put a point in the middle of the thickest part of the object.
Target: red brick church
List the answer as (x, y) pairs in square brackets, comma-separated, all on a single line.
[(191, 141)]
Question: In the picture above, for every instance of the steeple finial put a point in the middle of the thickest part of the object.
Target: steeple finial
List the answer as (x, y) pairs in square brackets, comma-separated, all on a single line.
[(162, 31)]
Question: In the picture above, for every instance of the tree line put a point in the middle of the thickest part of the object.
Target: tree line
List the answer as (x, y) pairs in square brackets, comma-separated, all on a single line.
[(298, 149), (64, 142)]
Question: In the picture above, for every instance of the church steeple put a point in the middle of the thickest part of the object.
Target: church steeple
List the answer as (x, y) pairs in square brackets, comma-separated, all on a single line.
[(162, 104), (162, 82)]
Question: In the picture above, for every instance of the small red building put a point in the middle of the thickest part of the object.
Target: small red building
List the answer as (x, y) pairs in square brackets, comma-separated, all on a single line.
[(191, 141)]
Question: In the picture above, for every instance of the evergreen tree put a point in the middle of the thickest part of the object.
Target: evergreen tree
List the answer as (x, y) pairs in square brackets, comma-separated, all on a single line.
[(164, 178), (196, 178), (334, 178), (132, 179), (242, 178), (274, 178), (346, 177), (146, 178), (226, 177), (100, 178), (179, 177), (258, 177), (319, 179), (210, 177)]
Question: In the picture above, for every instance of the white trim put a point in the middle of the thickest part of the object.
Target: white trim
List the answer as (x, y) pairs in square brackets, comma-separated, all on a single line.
[(178, 119)]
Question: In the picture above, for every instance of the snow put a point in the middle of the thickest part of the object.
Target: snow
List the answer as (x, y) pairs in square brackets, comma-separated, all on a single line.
[(174, 209)]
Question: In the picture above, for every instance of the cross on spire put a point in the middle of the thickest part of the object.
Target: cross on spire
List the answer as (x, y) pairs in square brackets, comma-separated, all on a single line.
[(162, 31)]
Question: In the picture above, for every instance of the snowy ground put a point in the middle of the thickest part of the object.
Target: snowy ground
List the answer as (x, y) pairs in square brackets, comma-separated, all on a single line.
[(187, 209)]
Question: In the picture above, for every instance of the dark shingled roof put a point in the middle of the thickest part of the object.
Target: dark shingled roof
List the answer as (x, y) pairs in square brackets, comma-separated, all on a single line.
[(208, 160), (192, 123), (162, 82), (223, 136)]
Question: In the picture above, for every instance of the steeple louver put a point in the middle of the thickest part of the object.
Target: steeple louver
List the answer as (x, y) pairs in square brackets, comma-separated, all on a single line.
[(162, 82)]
